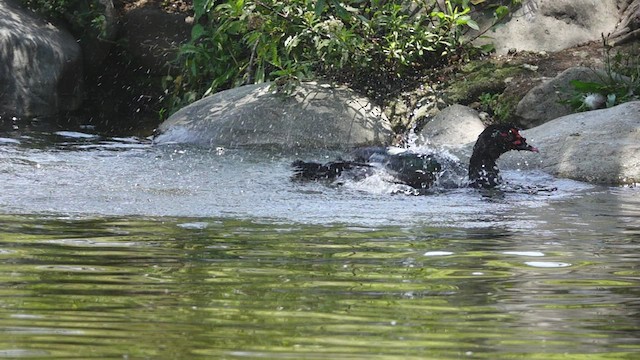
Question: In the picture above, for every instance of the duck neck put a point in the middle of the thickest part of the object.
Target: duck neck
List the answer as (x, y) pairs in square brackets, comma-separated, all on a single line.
[(483, 170)]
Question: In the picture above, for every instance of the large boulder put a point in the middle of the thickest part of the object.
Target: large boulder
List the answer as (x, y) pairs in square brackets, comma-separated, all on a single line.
[(554, 25), (40, 65), (600, 146), (454, 126), (316, 116)]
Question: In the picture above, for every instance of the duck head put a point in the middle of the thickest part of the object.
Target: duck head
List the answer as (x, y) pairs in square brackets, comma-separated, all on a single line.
[(494, 141), (508, 138)]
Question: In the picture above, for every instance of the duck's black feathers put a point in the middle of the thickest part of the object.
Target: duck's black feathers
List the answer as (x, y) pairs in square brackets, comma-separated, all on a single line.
[(315, 171), (418, 170)]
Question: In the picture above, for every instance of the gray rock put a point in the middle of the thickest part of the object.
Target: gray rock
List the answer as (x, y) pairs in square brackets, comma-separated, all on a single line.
[(542, 103), (317, 116), (600, 146), (554, 25), (454, 126), (628, 28), (40, 65)]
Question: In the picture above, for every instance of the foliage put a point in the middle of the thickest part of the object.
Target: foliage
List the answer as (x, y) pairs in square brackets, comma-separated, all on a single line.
[(80, 15), (494, 106), (620, 84), (373, 46)]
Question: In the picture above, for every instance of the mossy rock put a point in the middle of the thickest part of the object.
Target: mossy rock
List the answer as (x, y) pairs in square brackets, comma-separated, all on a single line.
[(479, 77), (506, 106)]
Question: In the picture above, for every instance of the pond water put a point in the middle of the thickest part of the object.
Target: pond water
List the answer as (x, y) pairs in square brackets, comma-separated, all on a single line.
[(114, 248)]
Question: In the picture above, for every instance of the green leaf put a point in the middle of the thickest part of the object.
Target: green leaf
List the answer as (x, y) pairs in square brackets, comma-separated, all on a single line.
[(342, 13), (438, 14), (238, 5), (320, 6), (199, 8), (197, 31), (586, 86), (259, 76), (291, 42), (501, 12), (472, 24), (487, 48)]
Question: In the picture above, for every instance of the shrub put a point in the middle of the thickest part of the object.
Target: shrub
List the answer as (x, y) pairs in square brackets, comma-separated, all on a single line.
[(79, 15), (373, 46)]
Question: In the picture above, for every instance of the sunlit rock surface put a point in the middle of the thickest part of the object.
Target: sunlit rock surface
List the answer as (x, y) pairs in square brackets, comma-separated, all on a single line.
[(454, 126), (554, 25), (317, 116), (600, 146), (40, 65)]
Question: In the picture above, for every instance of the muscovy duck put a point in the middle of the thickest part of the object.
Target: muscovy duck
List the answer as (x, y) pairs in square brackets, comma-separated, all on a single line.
[(418, 170), (494, 141)]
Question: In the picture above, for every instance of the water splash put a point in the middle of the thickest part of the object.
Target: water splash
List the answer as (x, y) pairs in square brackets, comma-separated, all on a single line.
[(130, 176)]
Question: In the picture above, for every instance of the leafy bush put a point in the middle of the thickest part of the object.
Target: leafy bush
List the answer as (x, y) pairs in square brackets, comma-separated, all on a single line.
[(373, 46)]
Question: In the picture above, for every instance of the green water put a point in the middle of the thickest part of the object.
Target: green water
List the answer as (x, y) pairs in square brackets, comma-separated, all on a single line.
[(216, 288)]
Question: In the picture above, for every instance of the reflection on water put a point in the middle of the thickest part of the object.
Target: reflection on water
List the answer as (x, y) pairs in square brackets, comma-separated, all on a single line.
[(226, 288), (111, 248)]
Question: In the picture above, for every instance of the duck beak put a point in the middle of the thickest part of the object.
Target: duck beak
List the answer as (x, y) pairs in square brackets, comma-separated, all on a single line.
[(520, 144)]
